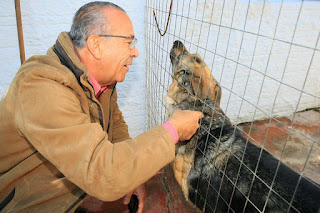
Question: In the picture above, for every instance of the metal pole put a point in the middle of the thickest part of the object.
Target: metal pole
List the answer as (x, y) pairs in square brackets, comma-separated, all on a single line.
[(20, 31)]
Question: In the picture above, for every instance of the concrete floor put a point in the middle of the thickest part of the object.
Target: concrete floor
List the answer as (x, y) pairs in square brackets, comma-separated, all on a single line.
[(295, 135), (292, 139), (163, 195)]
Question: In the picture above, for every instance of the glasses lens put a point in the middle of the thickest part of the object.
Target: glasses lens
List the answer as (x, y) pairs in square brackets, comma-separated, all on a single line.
[(133, 43)]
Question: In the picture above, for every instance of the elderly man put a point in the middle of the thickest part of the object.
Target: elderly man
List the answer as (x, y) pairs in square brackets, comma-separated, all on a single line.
[(62, 135)]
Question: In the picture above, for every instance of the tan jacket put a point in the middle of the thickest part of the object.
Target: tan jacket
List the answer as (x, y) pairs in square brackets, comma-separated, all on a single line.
[(54, 142)]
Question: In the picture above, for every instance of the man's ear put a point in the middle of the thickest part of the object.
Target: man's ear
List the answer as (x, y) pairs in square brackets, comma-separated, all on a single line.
[(94, 46)]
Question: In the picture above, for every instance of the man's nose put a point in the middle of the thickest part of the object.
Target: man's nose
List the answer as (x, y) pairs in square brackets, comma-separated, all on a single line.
[(134, 52)]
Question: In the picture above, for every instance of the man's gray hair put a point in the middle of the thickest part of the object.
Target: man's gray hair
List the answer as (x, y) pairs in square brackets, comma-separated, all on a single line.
[(90, 20)]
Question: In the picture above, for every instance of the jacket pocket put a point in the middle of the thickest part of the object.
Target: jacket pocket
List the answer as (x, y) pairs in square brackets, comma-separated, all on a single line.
[(7, 200)]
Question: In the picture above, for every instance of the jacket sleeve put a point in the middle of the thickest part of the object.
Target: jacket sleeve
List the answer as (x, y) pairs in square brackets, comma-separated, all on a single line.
[(50, 117)]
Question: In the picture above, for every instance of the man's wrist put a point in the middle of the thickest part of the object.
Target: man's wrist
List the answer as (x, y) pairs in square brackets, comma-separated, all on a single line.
[(172, 130)]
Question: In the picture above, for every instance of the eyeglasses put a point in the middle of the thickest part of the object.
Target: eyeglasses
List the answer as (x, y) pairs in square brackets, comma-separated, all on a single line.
[(132, 44)]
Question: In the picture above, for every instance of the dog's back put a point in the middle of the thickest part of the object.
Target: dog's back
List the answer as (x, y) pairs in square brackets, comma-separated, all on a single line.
[(230, 172)]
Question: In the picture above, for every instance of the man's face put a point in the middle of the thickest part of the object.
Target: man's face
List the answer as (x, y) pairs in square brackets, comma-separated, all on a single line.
[(117, 54)]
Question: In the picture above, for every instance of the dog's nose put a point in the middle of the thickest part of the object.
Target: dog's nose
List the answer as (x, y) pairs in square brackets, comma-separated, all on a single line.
[(177, 44), (184, 72), (185, 78)]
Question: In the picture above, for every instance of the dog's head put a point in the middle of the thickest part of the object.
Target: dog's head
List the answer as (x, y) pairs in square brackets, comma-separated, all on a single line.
[(192, 75)]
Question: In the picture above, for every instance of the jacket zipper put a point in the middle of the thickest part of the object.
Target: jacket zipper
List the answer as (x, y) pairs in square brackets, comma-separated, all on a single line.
[(63, 61), (76, 202), (109, 122), (101, 123), (7, 200), (99, 108)]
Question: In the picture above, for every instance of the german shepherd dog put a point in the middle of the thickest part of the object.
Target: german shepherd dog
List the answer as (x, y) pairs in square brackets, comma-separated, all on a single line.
[(218, 169)]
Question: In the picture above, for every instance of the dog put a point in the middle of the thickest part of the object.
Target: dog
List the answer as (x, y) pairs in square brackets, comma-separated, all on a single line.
[(218, 169)]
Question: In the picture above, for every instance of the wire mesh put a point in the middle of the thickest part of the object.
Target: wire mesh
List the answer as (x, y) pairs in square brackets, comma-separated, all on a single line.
[(265, 55)]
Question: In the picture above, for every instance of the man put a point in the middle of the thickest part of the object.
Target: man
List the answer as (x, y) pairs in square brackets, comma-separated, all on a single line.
[(62, 135)]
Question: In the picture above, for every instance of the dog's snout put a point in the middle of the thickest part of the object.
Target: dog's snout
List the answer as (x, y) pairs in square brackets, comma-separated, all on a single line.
[(185, 78), (178, 44)]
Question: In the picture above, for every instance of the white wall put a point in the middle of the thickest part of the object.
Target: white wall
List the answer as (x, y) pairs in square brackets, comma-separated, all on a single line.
[(261, 97), (42, 23)]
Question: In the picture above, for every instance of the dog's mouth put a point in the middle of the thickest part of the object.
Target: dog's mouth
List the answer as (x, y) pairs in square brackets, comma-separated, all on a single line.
[(184, 79)]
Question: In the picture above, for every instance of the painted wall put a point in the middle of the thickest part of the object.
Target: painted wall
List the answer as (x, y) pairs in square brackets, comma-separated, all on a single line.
[(230, 35), (42, 23)]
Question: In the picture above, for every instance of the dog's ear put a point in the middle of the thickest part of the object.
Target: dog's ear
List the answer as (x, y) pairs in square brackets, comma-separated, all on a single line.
[(177, 49), (206, 87)]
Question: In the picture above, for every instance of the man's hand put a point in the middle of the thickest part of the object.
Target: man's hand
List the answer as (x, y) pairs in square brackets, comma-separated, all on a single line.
[(140, 191), (186, 123)]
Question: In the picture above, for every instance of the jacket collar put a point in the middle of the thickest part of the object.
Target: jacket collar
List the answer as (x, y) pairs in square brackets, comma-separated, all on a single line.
[(65, 51)]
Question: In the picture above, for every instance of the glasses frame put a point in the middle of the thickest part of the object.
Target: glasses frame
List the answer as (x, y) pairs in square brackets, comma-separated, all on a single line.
[(132, 44)]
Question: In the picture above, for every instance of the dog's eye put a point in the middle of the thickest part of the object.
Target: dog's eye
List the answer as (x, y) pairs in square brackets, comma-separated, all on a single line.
[(197, 59)]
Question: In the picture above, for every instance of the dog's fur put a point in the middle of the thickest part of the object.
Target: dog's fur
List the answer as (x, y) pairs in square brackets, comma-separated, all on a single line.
[(218, 169)]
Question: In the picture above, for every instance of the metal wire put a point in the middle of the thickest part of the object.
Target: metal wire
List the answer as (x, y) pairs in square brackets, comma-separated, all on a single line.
[(189, 21)]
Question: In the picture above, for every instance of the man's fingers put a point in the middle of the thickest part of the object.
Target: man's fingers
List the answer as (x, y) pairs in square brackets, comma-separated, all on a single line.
[(186, 122), (126, 199), (200, 114), (141, 206), (141, 192)]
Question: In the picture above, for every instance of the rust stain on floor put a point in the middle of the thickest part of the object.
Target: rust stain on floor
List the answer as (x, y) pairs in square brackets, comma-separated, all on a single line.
[(294, 139)]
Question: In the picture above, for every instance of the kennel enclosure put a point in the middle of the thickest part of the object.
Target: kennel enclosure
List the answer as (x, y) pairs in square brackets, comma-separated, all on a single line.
[(264, 54)]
